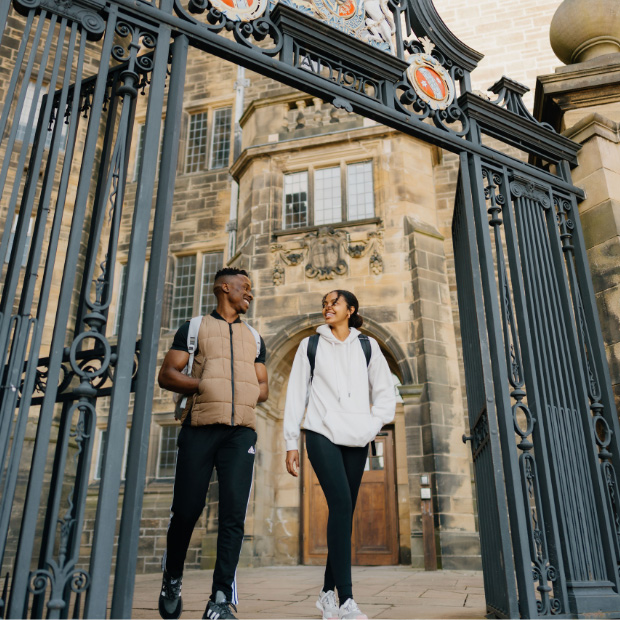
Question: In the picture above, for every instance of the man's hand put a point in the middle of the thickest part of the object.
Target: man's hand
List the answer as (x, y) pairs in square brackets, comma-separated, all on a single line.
[(170, 375), (263, 382), (292, 462)]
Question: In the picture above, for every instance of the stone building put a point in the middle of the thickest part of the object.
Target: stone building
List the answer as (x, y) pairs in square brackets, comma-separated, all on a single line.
[(316, 199), (309, 198)]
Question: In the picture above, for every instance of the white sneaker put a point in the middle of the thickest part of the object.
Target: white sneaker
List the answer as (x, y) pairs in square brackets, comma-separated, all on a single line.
[(350, 611), (328, 605)]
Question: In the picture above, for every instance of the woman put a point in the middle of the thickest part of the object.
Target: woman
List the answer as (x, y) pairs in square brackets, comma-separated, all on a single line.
[(340, 422)]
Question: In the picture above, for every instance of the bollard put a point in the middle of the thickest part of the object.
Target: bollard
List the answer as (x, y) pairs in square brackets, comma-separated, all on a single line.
[(428, 524)]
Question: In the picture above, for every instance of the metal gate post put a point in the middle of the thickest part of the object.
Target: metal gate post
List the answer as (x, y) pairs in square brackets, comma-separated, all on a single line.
[(107, 506), (21, 575), (141, 420), (523, 571), (497, 558)]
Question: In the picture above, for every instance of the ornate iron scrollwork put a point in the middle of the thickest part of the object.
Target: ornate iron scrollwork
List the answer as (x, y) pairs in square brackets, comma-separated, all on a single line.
[(84, 12), (510, 96), (524, 421), (367, 54)]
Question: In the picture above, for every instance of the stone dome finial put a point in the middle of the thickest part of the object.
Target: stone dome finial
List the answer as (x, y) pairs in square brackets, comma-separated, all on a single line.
[(584, 29)]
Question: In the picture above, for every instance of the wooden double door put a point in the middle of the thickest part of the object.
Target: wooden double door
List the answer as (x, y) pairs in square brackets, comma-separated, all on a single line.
[(375, 522)]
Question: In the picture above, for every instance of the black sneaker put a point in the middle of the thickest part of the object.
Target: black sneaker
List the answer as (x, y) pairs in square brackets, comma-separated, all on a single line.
[(170, 601), (219, 609)]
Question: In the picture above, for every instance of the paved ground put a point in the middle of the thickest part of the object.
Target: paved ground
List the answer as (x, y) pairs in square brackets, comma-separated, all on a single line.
[(290, 592)]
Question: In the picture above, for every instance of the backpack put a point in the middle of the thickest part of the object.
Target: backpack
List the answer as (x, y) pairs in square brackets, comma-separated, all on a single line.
[(313, 343), (180, 400)]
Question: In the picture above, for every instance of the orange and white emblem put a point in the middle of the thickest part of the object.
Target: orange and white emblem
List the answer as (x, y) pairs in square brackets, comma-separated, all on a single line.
[(431, 82)]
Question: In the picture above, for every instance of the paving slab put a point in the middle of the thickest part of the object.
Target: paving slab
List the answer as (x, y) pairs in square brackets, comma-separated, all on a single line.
[(289, 592)]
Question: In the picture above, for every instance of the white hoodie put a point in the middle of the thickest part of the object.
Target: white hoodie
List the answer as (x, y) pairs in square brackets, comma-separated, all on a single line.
[(337, 402)]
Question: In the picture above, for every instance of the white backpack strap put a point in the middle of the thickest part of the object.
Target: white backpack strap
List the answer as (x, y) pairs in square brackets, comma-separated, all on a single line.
[(256, 337), (192, 341), (192, 344)]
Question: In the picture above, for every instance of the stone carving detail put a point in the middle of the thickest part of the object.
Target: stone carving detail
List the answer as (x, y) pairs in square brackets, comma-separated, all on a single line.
[(324, 252)]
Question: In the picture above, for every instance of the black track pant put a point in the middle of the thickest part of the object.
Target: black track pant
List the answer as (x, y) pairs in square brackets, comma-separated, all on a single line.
[(339, 470), (231, 450)]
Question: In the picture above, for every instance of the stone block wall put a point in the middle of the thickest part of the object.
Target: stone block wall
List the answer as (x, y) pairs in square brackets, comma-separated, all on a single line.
[(513, 36)]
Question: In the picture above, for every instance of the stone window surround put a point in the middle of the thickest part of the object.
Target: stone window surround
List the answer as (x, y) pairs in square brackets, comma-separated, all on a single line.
[(311, 168)]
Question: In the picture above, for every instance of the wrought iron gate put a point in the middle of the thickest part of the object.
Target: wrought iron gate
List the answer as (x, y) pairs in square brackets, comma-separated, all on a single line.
[(535, 360)]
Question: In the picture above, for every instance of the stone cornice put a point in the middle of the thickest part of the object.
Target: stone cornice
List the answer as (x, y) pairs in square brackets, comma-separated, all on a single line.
[(255, 104), (591, 83), (411, 392), (271, 149), (412, 224), (594, 125)]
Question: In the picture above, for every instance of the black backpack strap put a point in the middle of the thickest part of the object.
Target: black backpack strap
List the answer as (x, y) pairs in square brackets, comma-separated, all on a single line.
[(313, 343), (367, 353), (365, 347)]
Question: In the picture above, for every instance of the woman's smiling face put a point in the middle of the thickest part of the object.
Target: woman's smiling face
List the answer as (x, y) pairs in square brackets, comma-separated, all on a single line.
[(335, 310)]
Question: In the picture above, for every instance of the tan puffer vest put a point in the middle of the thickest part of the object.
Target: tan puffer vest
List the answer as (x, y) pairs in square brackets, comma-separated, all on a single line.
[(224, 362)]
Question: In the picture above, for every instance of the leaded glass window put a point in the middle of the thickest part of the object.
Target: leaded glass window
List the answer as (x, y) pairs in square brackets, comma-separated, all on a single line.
[(184, 289), (196, 156), (220, 140), (211, 264), (360, 193), (296, 199), (167, 459), (327, 196)]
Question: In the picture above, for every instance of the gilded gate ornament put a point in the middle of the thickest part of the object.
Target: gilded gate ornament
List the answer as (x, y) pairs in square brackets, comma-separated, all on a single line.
[(430, 80)]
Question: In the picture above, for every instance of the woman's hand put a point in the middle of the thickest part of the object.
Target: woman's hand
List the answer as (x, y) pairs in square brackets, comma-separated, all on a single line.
[(292, 462)]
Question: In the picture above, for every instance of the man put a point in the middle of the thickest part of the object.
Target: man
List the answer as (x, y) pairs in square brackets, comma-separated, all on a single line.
[(218, 430)]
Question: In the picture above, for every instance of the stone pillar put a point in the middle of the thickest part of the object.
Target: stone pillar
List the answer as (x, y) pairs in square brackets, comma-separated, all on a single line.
[(434, 420), (582, 100)]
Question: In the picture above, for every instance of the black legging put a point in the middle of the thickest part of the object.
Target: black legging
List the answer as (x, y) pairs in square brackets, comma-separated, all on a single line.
[(339, 470)]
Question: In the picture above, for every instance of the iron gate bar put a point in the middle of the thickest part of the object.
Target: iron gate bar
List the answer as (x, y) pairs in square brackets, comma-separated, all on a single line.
[(545, 548), (544, 504), (32, 267), (526, 479), (496, 549), (129, 533), (33, 495), (105, 523), (11, 92), (202, 38), (31, 365), (517, 511), (102, 196), (598, 357), (563, 249)]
